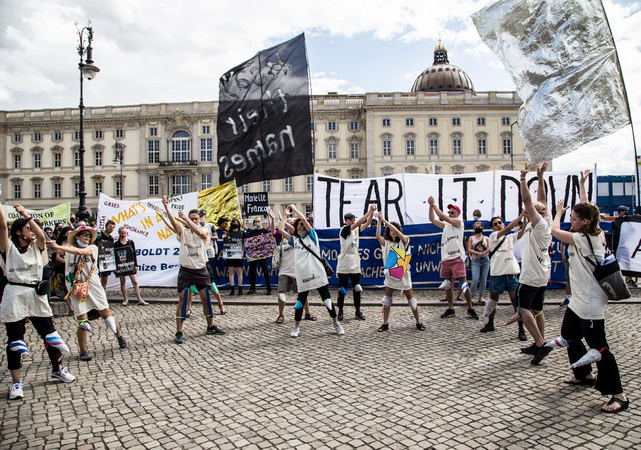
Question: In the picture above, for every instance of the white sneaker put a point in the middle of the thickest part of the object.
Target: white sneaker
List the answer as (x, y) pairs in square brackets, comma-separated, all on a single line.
[(63, 375), (125, 302), (339, 328), (295, 332), (143, 303), (445, 285), (15, 391)]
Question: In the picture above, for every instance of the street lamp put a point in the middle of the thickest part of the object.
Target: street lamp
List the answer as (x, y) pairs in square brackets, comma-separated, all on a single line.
[(89, 71), (119, 160)]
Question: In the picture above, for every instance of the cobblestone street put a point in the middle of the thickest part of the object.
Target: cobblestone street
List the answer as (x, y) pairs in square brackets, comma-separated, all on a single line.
[(256, 387)]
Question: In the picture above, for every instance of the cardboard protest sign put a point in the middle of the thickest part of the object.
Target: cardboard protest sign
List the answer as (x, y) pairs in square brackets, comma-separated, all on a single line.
[(125, 260), (260, 247), (233, 246)]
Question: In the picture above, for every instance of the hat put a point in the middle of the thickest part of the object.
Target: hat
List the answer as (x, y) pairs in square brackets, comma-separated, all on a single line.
[(72, 234), (454, 207), (202, 213), (349, 216), (623, 208)]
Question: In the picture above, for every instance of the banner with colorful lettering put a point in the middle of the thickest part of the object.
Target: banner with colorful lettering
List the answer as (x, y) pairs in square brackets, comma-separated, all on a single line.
[(49, 217), (260, 247)]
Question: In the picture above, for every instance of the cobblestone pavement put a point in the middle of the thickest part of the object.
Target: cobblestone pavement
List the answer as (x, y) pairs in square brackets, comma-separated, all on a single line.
[(256, 387)]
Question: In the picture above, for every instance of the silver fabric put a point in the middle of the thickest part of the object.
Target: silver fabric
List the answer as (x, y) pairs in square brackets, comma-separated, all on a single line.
[(561, 56)]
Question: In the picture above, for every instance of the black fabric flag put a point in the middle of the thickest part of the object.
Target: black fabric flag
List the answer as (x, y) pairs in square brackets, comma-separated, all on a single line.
[(264, 120)]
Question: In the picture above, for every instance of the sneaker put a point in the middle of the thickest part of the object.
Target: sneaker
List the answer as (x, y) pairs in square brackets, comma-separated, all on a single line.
[(448, 313), (295, 332), (522, 336), (631, 283), (541, 353), (339, 328), (420, 327), (339, 316), (63, 375), (481, 302), (251, 291), (125, 302), (564, 303), (472, 314), (143, 303), (179, 338), (529, 350), (359, 316), (487, 328), (122, 343), (84, 356), (215, 330), (15, 391)]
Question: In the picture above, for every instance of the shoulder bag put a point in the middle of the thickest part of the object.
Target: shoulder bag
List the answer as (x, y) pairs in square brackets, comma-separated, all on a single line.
[(328, 269), (79, 288), (608, 275)]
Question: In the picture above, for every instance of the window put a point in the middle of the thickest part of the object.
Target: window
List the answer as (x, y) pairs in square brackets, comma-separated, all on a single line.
[(311, 127), (387, 147), (267, 185), (153, 152), (37, 160), (617, 189), (153, 131), (507, 146), (244, 188), (354, 174), (97, 188), (57, 160), (353, 126), (37, 190), (308, 210), (331, 151), (17, 160), (180, 184), (482, 146), (154, 185), (76, 159), (433, 147), (603, 189), (205, 181), (506, 121), (57, 136), (37, 137), (309, 183), (206, 151), (480, 121), (97, 134), (289, 184), (17, 138), (409, 122), (76, 189), (120, 134), (355, 150), (205, 129), (386, 122), (410, 147), (456, 121), (629, 188), (387, 171), (331, 126), (118, 188), (457, 148), (57, 190), (433, 121), (97, 159), (180, 148), (76, 135), (17, 190)]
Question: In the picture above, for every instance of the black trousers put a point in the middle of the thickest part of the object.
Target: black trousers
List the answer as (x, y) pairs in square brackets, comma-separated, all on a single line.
[(343, 279), (302, 297), (16, 332), (253, 271), (573, 329)]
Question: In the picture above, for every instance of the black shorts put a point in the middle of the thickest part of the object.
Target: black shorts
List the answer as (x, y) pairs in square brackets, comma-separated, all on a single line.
[(234, 263), (529, 297), (197, 277)]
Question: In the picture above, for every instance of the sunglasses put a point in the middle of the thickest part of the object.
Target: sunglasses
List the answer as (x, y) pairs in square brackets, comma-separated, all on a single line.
[(498, 222), (451, 212), (84, 234)]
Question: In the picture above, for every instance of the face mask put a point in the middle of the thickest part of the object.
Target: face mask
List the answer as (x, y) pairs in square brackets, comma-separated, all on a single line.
[(256, 225), (81, 244), (476, 217), (478, 230), (202, 221)]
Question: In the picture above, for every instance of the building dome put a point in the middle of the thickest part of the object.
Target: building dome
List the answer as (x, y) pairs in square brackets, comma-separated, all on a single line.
[(442, 76)]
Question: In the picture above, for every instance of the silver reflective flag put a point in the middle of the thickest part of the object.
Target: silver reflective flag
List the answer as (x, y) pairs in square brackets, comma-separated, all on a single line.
[(561, 56)]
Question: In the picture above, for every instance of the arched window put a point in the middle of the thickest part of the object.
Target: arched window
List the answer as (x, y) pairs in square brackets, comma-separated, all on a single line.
[(180, 146)]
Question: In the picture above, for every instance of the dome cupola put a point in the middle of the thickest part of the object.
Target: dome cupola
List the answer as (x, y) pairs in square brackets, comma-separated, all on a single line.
[(442, 76)]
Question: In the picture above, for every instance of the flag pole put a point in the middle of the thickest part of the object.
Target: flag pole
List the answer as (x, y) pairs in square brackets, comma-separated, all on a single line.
[(627, 105)]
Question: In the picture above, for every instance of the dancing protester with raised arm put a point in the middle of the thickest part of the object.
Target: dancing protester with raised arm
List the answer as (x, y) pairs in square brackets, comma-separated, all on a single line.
[(348, 267), (584, 316), (535, 270), (85, 287), (395, 239), (24, 298), (310, 272), (192, 257), (452, 251)]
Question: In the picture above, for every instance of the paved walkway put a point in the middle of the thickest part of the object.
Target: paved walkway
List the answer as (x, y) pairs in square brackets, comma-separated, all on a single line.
[(256, 387)]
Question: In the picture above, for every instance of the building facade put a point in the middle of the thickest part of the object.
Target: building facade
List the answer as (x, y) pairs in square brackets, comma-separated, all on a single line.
[(144, 151)]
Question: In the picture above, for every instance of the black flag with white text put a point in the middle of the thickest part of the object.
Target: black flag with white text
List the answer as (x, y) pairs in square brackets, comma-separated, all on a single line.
[(264, 120)]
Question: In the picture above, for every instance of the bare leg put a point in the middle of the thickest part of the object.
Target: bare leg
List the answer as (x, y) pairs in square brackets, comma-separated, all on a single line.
[(123, 289), (540, 322)]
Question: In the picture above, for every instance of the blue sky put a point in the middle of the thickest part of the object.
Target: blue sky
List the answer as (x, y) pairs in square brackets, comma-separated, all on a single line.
[(152, 51)]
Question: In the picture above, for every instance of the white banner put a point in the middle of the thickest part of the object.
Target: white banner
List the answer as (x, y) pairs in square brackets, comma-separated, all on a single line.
[(156, 245), (628, 249), (403, 197), (49, 217)]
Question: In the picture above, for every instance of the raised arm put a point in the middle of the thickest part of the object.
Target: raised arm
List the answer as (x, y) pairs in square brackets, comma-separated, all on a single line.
[(200, 232), (4, 233), (161, 213), (541, 194), (379, 238), (301, 216), (404, 239), (272, 221), (526, 195), (562, 235), (174, 224), (583, 194), (510, 227), (366, 220), (282, 225), (70, 249), (40, 236), (434, 213)]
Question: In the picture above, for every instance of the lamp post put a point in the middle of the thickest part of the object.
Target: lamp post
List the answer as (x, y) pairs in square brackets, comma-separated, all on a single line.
[(119, 160), (512, 146), (89, 71)]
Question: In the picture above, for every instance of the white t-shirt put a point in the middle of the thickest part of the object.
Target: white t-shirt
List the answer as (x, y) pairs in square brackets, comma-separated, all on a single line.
[(310, 273), (192, 254), (535, 269), (588, 299), (349, 260), (404, 283), (452, 242), (503, 261), (287, 260)]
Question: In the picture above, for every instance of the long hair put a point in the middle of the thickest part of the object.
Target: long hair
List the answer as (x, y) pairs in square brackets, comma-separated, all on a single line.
[(296, 222), (388, 235), (590, 212), (237, 222), (16, 226), (62, 236)]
